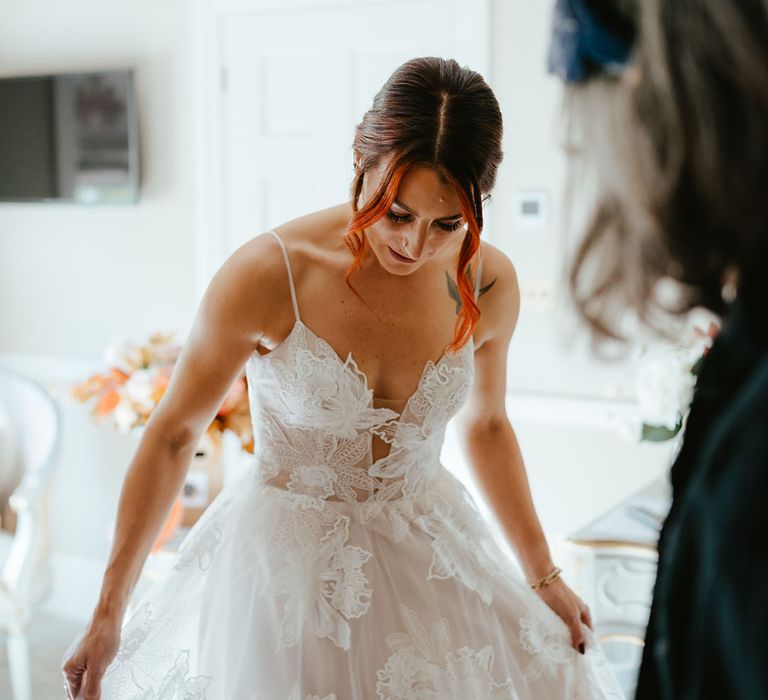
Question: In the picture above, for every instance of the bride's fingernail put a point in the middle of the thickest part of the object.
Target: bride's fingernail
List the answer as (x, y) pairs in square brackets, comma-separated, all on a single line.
[(581, 648)]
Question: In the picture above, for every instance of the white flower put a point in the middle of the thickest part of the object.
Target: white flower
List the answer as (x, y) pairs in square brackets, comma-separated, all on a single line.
[(469, 675), (325, 587), (328, 394), (123, 354), (548, 642), (422, 667), (124, 416), (457, 553), (442, 391), (140, 387), (295, 694), (178, 684), (414, 455), (664, 386), (144, 654), (313, 480)]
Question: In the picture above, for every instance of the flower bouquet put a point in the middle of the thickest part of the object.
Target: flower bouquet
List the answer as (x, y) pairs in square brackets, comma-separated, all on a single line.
[(136, 378), (664, 385), (130, 387)]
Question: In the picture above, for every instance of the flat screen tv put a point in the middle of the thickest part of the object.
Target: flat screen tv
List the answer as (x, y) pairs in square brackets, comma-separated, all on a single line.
[(69, 138)]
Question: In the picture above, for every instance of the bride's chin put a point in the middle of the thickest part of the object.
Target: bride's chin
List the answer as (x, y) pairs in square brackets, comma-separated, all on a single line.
[(387, 263)]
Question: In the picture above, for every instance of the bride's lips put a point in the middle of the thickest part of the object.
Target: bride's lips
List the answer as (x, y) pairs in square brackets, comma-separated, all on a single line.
[(400, 258)]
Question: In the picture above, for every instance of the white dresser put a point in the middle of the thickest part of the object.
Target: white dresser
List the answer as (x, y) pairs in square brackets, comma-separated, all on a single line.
[(612, 567)]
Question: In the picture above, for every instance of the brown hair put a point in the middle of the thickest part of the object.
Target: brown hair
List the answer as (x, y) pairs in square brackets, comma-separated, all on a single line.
[(432, 112), (690, 201)]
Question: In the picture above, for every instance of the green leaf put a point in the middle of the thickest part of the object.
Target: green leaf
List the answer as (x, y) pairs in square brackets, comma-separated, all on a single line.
[(453, 291), (483, 290), (660, 433)]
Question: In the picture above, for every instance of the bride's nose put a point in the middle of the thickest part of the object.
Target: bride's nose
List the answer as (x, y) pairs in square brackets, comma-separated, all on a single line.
[(413, 241)]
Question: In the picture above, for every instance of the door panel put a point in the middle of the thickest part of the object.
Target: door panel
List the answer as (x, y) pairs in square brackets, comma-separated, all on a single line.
[(297, 81)]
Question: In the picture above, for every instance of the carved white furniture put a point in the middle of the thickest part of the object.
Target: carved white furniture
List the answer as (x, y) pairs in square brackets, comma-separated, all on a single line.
[(613, 568), (28, 440)]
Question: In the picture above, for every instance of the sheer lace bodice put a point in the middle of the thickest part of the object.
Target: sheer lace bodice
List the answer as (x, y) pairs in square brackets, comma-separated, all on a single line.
[(315, 421)]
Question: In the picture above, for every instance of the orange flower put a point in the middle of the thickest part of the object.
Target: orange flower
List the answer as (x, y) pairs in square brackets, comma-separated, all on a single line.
[(233, 397), (117, 375), (710, 333), (107, 403), (137, 379), (88, 388)]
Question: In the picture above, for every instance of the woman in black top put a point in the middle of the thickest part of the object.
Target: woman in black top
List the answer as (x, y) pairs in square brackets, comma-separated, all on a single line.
[(669, 101)]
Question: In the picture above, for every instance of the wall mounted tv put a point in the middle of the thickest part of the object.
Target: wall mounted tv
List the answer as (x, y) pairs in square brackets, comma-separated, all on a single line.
[(69, 138)]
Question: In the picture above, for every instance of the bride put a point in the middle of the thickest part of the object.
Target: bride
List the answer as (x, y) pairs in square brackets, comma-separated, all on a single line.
[(346, 562)]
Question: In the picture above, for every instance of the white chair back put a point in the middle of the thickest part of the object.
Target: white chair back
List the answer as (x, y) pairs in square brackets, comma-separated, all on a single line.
[(10, 452), (29, 430)]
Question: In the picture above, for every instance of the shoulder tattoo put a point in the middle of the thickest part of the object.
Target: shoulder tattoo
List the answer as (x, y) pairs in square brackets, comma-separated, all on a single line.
[(453, 289)]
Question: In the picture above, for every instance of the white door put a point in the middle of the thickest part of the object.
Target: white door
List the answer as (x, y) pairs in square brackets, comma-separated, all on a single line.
[(294, 79)]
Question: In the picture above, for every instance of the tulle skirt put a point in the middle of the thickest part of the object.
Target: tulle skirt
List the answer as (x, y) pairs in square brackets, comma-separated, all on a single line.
[(281, 596)]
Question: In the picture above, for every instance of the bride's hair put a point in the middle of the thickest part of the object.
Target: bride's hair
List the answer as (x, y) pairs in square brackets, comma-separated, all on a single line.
[(431, 112)]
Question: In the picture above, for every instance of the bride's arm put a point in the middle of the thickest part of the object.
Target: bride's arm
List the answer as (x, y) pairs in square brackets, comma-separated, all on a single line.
[(490, 445), (241, 301)]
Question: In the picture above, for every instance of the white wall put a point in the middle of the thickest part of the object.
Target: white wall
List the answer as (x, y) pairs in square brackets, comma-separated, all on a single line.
[(72, 277), (545, 355)]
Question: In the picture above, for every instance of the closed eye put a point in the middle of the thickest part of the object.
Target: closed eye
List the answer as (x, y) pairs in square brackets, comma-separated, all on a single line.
[(399, 218), (450, 227)]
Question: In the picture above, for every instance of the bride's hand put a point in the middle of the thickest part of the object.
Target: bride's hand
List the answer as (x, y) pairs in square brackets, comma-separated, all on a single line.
[(90, 655), (571, 609)]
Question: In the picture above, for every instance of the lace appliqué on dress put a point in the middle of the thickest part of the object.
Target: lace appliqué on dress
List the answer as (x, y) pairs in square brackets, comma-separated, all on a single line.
[(548, 643), (295, 694), (320, 575), (423, 667), (205, 536), (324, 392), (142, 650), (177, 686), (317, 440)]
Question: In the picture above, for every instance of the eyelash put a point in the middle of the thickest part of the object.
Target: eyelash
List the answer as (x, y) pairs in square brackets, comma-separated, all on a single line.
[(398, 218), (404, 218), (450, 228)]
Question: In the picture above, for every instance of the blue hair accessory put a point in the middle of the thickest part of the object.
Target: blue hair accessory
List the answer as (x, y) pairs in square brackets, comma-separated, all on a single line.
[(580, 43)]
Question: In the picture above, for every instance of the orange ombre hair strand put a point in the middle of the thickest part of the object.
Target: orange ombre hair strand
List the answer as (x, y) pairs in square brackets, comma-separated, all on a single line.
[(430, 112)]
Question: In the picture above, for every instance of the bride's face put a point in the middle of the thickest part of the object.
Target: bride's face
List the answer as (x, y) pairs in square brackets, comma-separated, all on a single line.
[(424, 220)]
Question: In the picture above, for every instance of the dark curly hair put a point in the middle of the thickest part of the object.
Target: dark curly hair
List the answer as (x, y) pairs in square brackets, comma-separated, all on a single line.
[(690, 148)]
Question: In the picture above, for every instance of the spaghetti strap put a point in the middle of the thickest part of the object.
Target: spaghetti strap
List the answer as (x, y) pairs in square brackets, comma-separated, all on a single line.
[(479, 275), (290, 275)]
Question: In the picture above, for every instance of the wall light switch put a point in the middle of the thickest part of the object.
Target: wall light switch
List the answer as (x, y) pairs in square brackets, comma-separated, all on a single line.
[(531, 208), (538, 295)]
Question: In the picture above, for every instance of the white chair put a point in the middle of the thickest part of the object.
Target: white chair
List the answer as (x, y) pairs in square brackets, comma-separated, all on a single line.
[(29, 437)]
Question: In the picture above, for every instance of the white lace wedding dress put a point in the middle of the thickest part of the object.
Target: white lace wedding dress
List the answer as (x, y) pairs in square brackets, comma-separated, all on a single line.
[(323, 574)]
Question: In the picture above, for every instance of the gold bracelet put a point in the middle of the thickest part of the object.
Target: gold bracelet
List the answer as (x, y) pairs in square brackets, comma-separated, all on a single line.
[(549, 578)]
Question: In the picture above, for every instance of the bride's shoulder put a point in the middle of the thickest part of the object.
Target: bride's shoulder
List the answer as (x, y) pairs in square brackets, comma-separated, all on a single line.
[(497, 273), (308, 239), (499, 299), (305, 240)]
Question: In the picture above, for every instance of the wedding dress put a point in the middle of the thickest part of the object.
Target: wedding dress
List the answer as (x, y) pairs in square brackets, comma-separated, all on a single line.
[(320, 573)]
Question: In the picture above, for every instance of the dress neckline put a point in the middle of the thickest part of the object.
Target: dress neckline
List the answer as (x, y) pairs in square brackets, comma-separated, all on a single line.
[(351, 364)]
